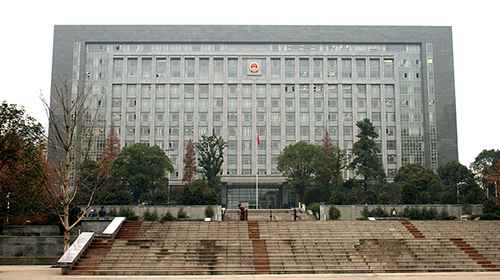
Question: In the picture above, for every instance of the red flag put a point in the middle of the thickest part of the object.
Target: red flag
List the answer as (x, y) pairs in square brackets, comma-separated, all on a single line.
[(258, 140)]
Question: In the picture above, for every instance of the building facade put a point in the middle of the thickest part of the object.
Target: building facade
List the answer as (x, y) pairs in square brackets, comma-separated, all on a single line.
[(165, 85)]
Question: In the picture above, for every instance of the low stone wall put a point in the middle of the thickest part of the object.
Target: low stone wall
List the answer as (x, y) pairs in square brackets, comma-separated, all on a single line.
[(28, 249), (193, 211), (353, 212), (45, 249)]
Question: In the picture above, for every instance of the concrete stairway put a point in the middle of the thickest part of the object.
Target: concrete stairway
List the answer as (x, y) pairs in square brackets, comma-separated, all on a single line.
[(280, 247)]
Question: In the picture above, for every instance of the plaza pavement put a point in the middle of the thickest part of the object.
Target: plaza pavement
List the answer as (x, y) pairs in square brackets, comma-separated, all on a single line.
[(30, 272)]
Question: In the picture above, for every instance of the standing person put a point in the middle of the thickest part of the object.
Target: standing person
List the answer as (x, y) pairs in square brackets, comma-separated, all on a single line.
[(102, 212), (242, 212), (394, 212)]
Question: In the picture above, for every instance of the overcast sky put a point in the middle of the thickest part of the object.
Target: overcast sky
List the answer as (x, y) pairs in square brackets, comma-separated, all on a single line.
[(27, 29)]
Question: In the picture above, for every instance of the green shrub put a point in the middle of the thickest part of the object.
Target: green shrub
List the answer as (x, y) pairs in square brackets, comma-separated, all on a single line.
[(150, 216), (490, 216), (334, 213), (127, 213), (181, 214), (168, 217), (314, 207), (209, 212), (112, 213)]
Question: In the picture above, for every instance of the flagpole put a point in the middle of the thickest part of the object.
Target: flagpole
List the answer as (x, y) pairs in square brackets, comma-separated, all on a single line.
[(257, 176)]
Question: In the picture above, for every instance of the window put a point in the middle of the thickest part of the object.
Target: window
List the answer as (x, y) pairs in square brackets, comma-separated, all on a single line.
[(130, 131), (304, 102), (131, 102), (374, 68), (318, 68), (189, 103), (375, 103), (304, 89), (175, 103), (246, 145), (175, 67), (189, 62), (160, 117), (218, 67), (262, 159), (389, 103), (376, 116), (217, 117), (389, 90), (347, 89), (231, 117), (390, 116), (188, 131), (131, 117), (347, 103), (333, 116), (390, 130), (117, 117), (161, 67), (289, 67), (389, 68), (188, 116), (174, 116), (116, 102), (304, 67), (232, 68), (144, 117), (202, 130), (261, 90), (391, 159), (348, 117), (275, 145), (232, 145), (218, 103), (117, 67), (275, 102), (289, 88), (203, 116), (246, 103), (318, 117), (362, 116), (332, 102), (275, 130), (391, 145), (132, 67), (332, 67), (204, 68), (246, 131), (232, 130), (261, 103), (232, 159), (304, 117), (174, 131), (346, 68), (117, 89), (361, 68), (375, 89), (290, 102), (318, 102), (146, 67), (160, 89), (275, 67), (290, 116), (347, 130), (131, 89), (290, 130), (361, 102), (304, 131), (159, 130), (247, 117), (145, 131)]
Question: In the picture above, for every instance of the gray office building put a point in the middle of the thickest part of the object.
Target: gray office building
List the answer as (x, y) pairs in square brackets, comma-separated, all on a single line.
[(165, 85)]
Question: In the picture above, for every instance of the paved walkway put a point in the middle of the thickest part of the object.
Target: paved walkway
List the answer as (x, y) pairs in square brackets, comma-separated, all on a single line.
[(43, 272)]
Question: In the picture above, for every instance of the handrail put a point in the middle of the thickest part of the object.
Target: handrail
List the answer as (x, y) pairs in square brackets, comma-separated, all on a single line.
[(75, 251), (113, 227)]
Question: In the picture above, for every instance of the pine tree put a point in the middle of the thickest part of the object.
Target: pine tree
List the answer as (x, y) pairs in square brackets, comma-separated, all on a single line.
[(189, 165), (110, 151)]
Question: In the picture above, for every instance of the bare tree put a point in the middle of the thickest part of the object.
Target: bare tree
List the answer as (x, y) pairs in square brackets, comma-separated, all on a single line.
[(72, 118)]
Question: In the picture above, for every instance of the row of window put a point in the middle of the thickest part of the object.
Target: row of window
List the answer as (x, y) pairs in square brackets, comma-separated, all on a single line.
[(219, 67), (273, 117), (218, 103), (248, 89)]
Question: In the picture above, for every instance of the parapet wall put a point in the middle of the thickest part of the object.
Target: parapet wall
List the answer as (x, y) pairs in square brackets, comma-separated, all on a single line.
[(353, 212)]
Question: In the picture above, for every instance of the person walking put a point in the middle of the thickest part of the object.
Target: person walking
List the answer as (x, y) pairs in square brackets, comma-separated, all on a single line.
[(102, 212), (242, 212)]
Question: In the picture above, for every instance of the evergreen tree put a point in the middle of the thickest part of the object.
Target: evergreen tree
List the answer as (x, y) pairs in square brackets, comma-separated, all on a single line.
[(366, 160)]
